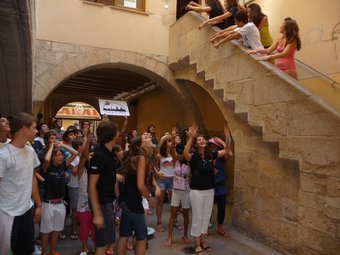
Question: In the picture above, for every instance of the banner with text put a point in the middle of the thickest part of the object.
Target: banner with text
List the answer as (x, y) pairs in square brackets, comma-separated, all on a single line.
[(113, 108)]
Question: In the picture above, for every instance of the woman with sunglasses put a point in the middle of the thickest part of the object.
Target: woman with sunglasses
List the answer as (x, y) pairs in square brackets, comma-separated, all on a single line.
[(201, 161)]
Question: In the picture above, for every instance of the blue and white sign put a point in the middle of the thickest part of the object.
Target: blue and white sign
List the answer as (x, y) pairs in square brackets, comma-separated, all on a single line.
[(113, 108)]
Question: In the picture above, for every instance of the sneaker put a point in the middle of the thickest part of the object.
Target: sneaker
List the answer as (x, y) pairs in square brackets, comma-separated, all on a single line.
[(37, 250)]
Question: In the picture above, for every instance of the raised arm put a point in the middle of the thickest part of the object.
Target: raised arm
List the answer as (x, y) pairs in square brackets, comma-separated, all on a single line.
[(226, 152), (124, 124), (47, 159), (172, 148), (83, 158), (192, 133), (73, 152)]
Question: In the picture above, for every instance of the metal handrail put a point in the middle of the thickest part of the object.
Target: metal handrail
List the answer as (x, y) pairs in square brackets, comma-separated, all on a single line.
[(334, 84)]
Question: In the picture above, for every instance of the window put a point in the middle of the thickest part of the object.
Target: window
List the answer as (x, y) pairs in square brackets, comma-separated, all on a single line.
[(132, 4)]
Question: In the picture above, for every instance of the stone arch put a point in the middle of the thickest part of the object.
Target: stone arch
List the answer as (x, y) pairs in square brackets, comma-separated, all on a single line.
[(56, 62), (189, 75), (151, 66)]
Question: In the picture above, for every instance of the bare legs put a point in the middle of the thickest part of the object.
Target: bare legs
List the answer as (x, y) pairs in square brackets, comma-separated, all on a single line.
[(140, 248), (54, 240), (172, 218)]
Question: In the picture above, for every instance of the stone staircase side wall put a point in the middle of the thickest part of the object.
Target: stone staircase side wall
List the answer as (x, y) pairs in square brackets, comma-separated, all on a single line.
[(288, 196)]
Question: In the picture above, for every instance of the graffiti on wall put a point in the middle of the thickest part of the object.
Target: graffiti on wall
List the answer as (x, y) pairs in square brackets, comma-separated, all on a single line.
[(317, 35)]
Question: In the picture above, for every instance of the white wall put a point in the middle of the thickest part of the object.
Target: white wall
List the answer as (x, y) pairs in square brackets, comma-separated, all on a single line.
[(316, 19), (75, 22)]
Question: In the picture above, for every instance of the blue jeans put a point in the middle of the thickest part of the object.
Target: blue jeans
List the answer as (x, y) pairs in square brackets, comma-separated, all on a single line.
[(132, 222), (106, 235)]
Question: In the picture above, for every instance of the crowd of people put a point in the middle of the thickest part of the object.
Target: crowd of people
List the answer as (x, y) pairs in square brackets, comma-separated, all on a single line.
[(98, 179), (48, 174), (250, 25)]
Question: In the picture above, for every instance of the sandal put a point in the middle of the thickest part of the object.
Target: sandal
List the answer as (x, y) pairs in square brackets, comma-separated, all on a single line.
[(62, 236), (200, 251), (160, 227), (74, 237), (206, 247)]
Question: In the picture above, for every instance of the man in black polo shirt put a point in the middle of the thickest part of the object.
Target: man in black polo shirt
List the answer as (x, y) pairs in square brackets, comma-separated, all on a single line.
[(102, 179)]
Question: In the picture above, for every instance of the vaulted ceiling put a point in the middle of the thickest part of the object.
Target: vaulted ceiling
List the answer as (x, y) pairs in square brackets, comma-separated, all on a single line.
[(103, 83)]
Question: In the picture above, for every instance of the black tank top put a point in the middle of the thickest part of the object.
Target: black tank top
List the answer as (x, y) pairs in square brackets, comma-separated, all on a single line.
[(130, 193)]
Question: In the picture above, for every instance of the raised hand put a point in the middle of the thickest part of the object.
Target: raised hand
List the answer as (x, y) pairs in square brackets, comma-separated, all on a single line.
[(174, 132), (226, 131), (105, 118), (193, 130)]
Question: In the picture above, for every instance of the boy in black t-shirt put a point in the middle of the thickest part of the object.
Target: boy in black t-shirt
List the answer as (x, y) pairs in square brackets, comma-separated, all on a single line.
[(101, 188)]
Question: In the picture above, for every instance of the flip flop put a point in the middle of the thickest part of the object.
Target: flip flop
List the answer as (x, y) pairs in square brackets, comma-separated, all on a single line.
[(74, 237)]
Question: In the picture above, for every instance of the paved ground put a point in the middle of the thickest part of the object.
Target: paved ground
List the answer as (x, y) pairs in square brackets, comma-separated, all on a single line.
[(236, 244)]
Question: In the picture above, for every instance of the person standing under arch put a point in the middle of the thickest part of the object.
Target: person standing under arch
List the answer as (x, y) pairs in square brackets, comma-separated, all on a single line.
[(202, 183)]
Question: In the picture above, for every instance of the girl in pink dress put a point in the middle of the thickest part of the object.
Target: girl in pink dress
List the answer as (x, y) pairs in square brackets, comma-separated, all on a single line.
[(285, 47)]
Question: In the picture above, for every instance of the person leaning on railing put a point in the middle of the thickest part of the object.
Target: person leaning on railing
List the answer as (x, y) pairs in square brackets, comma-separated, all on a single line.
[(286, 47)]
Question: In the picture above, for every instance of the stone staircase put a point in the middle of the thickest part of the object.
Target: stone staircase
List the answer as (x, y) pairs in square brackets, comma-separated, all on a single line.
[(297, 127)]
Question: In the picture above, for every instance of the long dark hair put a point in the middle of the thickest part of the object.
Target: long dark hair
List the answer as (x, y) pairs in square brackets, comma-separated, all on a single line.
[(195, 148), (291, 29), (257, 15), (134, 150), (216, 3), (232, 3)]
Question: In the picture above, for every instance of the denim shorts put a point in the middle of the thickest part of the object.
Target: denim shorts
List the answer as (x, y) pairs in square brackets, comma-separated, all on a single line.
[(165, 183), (132, 222), (106, 235)]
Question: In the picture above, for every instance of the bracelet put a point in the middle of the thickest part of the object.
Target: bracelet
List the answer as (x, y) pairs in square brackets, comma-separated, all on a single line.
[(37, 206)]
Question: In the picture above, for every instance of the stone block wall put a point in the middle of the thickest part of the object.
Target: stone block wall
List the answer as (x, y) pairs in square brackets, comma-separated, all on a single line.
[(287, 143)]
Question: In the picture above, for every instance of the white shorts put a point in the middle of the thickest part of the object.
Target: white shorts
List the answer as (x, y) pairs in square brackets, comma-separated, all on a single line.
[(52, 217), (180, 196)]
